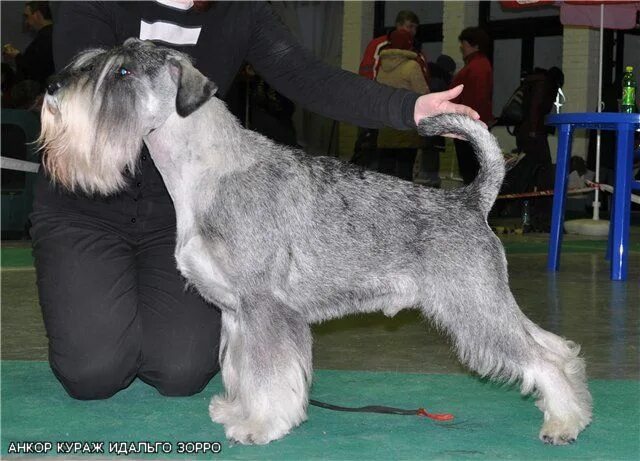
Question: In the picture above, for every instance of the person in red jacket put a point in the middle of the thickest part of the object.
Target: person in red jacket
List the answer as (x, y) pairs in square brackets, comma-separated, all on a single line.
[(405, 20), (477, 78)]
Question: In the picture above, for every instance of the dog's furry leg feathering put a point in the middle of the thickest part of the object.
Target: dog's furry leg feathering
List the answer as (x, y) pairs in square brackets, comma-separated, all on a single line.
[(266, 369)]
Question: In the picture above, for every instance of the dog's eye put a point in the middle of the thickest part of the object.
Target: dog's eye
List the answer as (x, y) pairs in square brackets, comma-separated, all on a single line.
[(123, 72)]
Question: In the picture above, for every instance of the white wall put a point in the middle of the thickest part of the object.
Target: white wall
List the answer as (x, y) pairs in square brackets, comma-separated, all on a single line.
[(548, 52), (428, 12), (432, 50), (506, 71)]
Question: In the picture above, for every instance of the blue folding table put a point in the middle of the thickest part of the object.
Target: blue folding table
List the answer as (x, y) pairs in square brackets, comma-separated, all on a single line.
[(625, 126)]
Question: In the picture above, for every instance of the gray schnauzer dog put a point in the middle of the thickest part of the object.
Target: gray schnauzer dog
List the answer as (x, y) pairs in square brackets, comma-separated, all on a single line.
[(279, 240)]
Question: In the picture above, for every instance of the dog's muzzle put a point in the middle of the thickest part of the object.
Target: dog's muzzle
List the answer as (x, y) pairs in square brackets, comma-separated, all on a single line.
[(53, 86)]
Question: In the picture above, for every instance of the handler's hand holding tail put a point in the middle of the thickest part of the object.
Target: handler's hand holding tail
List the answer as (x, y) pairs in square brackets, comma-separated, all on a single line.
[(438, 103)]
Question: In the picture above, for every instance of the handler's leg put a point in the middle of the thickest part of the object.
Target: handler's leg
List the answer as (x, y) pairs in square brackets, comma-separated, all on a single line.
[(181, 331), (467, 161), (87, 287)]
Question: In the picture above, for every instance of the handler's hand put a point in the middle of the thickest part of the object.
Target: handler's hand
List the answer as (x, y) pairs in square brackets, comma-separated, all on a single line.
[(439, 103)]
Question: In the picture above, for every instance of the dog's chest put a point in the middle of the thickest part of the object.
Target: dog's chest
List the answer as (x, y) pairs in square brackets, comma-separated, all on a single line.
[(199, 263)]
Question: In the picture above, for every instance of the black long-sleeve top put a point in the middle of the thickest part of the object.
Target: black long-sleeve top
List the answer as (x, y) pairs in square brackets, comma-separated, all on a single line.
[(232, 32), (229, 33)]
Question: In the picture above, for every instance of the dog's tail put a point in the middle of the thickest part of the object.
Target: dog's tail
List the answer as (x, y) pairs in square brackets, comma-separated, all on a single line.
[(489, 180)]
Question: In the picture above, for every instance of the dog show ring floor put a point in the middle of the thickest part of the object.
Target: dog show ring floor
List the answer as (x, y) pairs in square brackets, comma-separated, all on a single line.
[(358, 360)]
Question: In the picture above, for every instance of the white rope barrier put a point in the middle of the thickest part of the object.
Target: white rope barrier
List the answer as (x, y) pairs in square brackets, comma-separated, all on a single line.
[(9, 163), (592, 186), (608, 188), (543, 193)]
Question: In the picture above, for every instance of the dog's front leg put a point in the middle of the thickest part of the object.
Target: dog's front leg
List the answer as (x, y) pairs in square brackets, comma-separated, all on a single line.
[(266, 369)]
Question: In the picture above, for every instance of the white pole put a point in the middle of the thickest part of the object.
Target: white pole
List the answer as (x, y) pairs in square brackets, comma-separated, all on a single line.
[(596, 201)]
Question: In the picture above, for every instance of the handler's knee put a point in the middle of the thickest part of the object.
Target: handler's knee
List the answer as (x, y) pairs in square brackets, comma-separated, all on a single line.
[(181, 380), (96, 379)]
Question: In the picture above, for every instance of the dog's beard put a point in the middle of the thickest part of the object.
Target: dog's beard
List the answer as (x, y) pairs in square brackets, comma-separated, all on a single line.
[(81, 153)]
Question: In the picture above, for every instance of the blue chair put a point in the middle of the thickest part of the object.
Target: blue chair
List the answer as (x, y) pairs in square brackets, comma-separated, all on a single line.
[(624, 125)]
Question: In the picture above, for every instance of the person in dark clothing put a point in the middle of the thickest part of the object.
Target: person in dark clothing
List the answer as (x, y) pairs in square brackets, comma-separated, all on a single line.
[(428, 169), (532, 134), (441, 72), (36, 63), (114, 304), (8, 80), (535, 169)]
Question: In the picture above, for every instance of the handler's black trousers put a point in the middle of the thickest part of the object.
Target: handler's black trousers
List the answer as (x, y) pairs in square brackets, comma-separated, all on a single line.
[(114, 305), (468, 164)]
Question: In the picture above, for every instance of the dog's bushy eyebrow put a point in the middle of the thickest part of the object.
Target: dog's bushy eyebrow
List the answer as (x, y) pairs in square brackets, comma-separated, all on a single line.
[(150, 58), (82, 58)]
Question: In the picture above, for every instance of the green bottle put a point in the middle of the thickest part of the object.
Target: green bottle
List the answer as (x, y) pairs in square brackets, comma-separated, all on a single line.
[(629, 86)]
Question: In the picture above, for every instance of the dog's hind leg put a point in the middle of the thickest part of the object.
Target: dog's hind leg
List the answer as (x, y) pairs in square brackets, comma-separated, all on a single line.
[(494, 338), (266, 370), (559, 377)]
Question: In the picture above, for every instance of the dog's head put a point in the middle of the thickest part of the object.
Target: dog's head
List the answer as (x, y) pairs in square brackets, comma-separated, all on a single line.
[(97, 110)]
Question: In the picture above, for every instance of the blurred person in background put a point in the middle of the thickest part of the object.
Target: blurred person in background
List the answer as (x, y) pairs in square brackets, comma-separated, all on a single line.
[(400, 67), (477, 78), (36, 62)]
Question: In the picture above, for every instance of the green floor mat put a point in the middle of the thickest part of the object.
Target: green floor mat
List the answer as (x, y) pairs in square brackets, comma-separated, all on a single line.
[(16, 257), (492, 422)]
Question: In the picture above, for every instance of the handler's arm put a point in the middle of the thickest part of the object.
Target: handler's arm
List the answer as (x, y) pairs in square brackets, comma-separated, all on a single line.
[(80, 26), (295, 72)]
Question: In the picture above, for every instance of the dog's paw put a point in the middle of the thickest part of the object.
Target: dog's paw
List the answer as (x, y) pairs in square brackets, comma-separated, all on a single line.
[(252, 432), (223, 410), (557, 432)]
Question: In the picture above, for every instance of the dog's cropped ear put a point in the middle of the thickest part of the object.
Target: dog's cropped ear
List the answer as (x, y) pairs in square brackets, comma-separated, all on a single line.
[(194, 89)]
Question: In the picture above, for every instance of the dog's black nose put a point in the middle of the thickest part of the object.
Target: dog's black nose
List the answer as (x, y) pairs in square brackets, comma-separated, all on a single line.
[(53, 86)]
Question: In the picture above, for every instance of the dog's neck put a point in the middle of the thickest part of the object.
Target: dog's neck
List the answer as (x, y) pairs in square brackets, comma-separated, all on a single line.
[(210, 138)]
